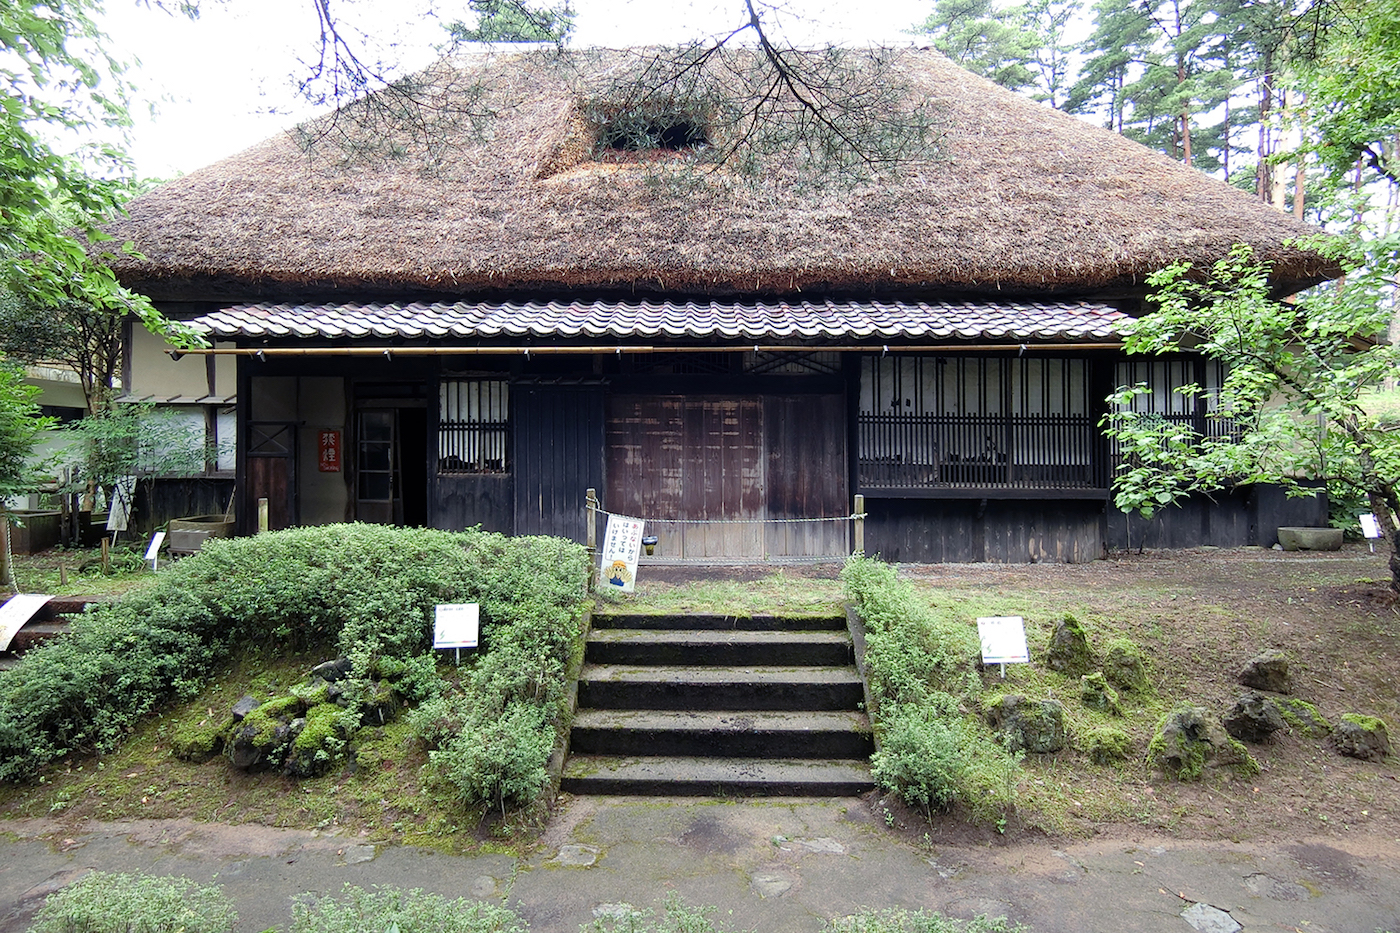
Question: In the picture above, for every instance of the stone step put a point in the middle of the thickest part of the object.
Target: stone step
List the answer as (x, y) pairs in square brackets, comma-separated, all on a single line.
[(718, 622), (598, 774), (36, 633), (709, 647), (750, 687), (714, 733)]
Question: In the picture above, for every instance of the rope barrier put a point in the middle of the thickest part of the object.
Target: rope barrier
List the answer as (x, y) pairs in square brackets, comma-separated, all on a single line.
[(734, 521)]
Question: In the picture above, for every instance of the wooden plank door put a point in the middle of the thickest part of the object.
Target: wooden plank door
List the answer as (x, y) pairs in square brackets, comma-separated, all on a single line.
[(805, 443), (674, 457), (557, 456)]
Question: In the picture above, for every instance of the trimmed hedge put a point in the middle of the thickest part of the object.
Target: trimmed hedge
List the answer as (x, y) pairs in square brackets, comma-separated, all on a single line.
[(364, 591)]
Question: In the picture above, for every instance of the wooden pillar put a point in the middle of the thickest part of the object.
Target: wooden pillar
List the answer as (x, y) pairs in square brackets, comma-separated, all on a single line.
[(590, 524), (859, 513), (262, 515)]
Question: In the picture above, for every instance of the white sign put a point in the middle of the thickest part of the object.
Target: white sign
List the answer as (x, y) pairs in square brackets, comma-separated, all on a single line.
[(457, 625), (15, 613), (157, 540), (1003, 640), (119, 509), (622, 547), (1369, 526)]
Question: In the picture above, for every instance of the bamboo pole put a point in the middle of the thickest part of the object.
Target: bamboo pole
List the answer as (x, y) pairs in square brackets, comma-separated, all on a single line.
[(391, 352), (590, 517), (859, 513)]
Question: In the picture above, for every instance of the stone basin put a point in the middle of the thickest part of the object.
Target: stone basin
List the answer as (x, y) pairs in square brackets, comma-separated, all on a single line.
[(1299, 538)]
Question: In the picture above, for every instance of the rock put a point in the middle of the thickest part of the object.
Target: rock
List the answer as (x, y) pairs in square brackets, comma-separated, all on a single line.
[(1124, 666), (1361, 737), (1036, 726), (244, 706), (1267, 671), (1254, 718), (1068, 651), (1302, 538), (1304, 717), (1097, 694), (332, 671), (1207, 919), (1188, 739)]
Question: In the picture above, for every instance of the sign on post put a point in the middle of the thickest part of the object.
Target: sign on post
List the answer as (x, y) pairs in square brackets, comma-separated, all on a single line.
[(153, 552), (457, 625), (1003, 641), (622, 548)]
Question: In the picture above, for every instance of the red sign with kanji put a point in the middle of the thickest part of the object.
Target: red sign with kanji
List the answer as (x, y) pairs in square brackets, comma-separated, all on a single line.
[(329, 444)]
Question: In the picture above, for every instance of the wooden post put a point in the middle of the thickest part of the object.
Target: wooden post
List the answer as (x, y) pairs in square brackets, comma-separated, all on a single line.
[(8, 586), (106, 555), (590, 521), (859, 513), (262, 515)]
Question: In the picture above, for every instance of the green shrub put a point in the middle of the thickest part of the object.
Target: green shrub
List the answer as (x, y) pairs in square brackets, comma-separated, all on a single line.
[(934, 758), (932, 753), (364, 591), (899, 920), (103, 902), (390, 909), (499, 758)]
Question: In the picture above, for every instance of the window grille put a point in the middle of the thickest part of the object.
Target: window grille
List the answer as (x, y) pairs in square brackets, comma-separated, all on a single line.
[(474, 426), (1165, 399), (976, 422)]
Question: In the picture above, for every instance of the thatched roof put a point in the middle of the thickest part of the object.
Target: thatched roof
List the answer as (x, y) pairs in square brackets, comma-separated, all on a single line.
[(1020, 200)]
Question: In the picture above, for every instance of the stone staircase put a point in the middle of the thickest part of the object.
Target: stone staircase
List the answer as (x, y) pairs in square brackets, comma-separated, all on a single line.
[(50, 621), (714, 705)]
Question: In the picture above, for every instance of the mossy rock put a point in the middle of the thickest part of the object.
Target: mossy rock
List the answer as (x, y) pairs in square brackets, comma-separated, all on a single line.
[(1106, 745), (1095, 692), (1363, 737), (1068, 651), (261, 739), (1125, 666), (319, 743), (1033, 725), (1188, 739), (201, 741), (1301, 716)]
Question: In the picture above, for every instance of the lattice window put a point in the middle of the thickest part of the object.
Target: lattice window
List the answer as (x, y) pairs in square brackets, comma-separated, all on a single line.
[(927, 422), (1165, 380), (474, 426)]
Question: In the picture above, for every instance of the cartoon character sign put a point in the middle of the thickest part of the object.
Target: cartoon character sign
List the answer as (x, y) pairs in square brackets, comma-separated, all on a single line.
[(622, 546)]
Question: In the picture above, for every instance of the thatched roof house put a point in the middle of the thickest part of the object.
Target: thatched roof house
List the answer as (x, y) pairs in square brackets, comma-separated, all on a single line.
[(488, 305)]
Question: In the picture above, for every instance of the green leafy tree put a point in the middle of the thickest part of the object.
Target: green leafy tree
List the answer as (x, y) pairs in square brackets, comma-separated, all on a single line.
[(21, 424), (994, 43), (511, 21), (1353, 83), (1293, 405)]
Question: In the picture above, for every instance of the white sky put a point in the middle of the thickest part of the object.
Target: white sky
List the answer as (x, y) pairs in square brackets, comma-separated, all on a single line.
[(224, 82)]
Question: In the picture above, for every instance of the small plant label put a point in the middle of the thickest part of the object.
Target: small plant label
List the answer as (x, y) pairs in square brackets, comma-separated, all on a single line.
[(1003, 640), (15, 612), (457, 625), (1370, 526), (153, 552)]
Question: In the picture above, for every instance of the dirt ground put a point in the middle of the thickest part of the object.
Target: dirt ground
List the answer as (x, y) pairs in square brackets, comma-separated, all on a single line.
[(1199, 614)]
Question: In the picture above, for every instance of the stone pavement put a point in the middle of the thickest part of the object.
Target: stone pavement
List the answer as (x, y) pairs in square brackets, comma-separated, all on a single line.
[(768, 865)]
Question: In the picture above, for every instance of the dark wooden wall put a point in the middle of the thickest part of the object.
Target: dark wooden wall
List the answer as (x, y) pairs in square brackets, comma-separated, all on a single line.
[(996, 530), (557, 445), (457, 501), (166, 498), (1246, 515)]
